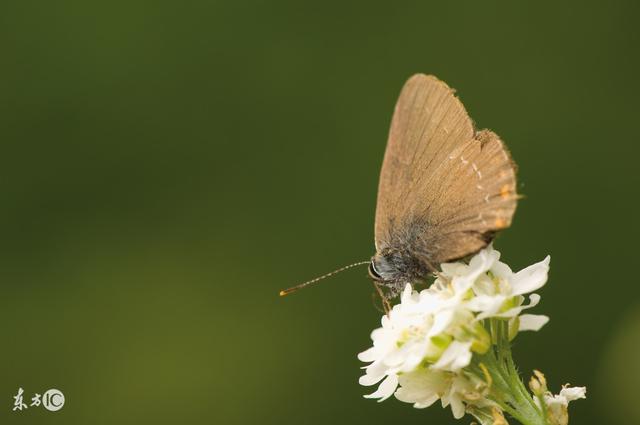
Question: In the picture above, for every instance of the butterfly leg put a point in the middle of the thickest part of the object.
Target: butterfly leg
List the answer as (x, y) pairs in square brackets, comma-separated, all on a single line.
[(374, 301), (385, 302)]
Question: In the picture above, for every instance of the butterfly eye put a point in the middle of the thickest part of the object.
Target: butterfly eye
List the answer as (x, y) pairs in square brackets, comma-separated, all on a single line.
[(373, 272)]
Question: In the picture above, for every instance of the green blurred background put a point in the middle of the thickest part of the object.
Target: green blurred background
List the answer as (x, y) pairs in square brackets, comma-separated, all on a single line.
[(167, 167)]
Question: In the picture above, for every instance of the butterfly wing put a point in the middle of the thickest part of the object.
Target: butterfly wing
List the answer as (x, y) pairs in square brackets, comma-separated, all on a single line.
[(444, 188)]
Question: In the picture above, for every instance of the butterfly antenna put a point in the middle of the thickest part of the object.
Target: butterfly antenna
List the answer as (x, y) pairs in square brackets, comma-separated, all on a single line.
[(317, 279)]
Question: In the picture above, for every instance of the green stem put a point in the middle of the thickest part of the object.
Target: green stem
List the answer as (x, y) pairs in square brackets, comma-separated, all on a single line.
[(507, 390)]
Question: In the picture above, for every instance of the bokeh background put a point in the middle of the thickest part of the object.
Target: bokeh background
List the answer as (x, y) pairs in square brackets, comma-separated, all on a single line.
[(168, 167)]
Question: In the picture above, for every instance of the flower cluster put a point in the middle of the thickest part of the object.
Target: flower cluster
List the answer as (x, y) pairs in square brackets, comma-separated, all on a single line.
[(435, 344)]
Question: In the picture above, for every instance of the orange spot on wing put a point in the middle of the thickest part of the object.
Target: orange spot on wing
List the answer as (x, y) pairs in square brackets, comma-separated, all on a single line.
[(500, 223), (504, 191)]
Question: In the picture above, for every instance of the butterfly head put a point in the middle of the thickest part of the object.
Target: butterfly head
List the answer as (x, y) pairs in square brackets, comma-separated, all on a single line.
[(380, 269), (394, 268)]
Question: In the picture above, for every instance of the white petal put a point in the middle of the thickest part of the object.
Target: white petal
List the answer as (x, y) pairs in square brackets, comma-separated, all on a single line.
[(367, 380), (484, 285), (483, 261), (378, 333), (486, 305), (374, 373), (455, 357), (554, 401), (532, 322), (406, 294), (421, 388), (420, 394), (412, 361), (534, 299), (501, 270), (479, 264), (453, 399), (573, 393), (452, 269), (461, 284), (426, 402), (395, 359), (368, 355), (386, 388), (442, 320), (532, 278), (457, 407)]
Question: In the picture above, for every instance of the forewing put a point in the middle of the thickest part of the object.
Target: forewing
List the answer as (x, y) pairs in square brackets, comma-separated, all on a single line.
[(444, 188)]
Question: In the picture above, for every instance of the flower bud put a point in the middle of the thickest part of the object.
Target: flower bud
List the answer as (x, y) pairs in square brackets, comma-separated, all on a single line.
[(538, 383)]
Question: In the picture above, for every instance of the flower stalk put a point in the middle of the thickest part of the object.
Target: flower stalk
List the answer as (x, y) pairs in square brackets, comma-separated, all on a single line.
[(507, 389)]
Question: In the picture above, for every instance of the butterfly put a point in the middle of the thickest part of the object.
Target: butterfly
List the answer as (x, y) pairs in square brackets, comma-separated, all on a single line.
[(445, 188)]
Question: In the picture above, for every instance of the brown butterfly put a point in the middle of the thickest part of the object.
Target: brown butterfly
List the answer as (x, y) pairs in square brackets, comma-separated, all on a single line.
[(445, 188)]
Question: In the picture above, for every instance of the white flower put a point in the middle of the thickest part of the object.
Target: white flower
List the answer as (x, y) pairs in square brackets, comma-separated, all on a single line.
[(427, 339), (425, 386), (498, 292), (407, 339), (566, 395), (557, 405)]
